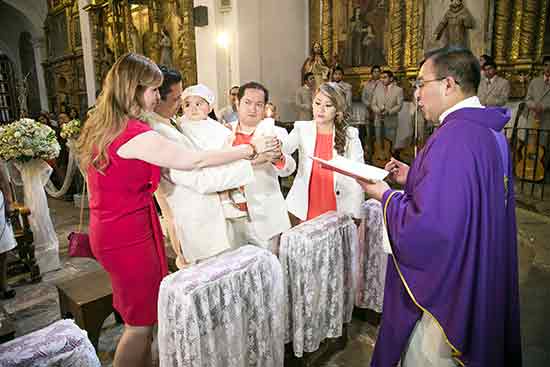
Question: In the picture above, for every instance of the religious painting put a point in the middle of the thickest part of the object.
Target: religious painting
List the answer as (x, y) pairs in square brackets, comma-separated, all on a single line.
[(362, 28)]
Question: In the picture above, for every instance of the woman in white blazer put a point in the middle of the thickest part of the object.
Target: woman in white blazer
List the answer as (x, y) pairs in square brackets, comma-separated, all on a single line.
[(316, 190)]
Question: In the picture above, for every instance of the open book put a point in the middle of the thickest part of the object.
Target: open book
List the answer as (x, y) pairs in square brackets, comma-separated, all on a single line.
[(353, 169)]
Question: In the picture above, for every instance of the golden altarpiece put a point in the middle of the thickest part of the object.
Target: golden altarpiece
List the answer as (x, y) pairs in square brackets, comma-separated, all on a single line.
[(64, 68), (519, 37), (160, 29)]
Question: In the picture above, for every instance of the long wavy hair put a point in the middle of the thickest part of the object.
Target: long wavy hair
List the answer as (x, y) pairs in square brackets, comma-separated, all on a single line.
[(341, 121), (120, 100)]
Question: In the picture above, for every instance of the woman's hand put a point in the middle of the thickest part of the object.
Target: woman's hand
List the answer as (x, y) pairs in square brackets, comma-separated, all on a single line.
[(398, 171)]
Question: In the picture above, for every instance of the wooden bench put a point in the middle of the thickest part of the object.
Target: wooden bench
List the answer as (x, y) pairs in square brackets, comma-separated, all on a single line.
[(87, 299), (7, 327)]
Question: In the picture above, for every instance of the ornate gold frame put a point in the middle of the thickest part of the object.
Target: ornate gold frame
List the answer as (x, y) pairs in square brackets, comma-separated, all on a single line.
[(517, 44), (405, 36)]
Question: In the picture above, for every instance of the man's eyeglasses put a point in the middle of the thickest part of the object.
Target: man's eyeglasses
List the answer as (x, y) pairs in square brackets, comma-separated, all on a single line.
[(420, 83)]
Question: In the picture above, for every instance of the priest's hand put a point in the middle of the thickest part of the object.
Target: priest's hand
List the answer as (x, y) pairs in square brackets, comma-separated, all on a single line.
[(374, 189), (398, 171)]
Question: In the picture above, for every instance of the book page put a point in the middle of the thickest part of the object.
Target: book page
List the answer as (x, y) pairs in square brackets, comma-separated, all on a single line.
[(353, 169)]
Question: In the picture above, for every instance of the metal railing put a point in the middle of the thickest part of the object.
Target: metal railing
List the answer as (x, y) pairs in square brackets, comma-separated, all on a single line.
[(530, 160)]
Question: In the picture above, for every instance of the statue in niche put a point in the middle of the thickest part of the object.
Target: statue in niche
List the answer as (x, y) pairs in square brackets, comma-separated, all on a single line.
[(455, 24), (22, 89), (136, 44), (356, 32), (316, 64), (165, 48)]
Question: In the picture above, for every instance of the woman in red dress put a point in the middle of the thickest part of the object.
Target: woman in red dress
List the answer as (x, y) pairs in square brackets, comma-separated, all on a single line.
[(317, 190), (122, 156)]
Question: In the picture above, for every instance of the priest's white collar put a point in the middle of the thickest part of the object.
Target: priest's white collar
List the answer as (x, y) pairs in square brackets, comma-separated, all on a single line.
[(471, 102)]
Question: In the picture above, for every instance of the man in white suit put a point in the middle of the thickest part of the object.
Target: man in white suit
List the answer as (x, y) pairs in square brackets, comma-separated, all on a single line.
[(304, 98), (189, 199), (386, 104), (266, 207), (493, 90)]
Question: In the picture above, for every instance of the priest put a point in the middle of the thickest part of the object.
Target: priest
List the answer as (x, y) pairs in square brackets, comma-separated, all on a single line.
[(451, 293)]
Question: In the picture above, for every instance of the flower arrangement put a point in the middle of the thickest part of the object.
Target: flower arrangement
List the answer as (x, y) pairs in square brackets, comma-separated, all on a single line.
[(27, 139), (71, 129)]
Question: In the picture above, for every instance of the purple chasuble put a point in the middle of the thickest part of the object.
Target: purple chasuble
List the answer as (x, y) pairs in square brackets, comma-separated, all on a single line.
[(453, 236)]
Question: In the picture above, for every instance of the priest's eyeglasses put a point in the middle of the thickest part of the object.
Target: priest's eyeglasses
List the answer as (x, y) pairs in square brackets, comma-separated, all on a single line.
[(420, 83)]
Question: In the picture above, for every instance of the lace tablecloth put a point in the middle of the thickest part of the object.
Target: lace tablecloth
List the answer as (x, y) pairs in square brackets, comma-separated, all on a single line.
[(318, 266), (61, 344), (373, 258), (224, 312)]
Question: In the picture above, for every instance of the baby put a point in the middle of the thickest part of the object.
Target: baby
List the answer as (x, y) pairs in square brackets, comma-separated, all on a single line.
[(206, 133)]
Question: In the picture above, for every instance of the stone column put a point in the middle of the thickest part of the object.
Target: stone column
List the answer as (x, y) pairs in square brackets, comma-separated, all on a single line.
[(87, 51), (39, 47)]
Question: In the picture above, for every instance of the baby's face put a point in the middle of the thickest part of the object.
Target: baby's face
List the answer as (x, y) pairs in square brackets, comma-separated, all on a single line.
[(195, 108)]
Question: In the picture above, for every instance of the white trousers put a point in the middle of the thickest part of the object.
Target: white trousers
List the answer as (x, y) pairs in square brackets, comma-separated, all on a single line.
[(241, 232), (427, 346)]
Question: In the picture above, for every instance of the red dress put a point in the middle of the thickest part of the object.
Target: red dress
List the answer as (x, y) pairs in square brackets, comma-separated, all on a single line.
[(125, 232), (321, 182)]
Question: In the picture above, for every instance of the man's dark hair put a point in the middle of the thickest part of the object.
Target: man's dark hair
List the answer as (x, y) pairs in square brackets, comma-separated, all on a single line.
[(233, 87), (389, 73), (545, 59), (490, 63), (306, 76), (253, 85), (488, 58), (458, 63), (338, 68), (170, 77), (374, 67)]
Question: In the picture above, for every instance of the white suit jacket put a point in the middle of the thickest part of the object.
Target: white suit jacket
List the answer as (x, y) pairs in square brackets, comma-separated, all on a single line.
[(265, 201), (391, 102), (349, 195), (192, 198), (494, 93)]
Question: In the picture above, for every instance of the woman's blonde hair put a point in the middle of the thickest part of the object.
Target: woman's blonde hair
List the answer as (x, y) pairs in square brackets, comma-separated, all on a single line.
[(341, 122), (120, 100)]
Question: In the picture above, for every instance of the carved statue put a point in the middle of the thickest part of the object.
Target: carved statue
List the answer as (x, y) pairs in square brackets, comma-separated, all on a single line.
[(22, 95), (455, 24), (354, 44), (316, 64), (136, 44), (165, 48), (107, 60)]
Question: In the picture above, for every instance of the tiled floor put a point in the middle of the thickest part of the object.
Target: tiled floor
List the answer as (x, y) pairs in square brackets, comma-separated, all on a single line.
[(36, 305)]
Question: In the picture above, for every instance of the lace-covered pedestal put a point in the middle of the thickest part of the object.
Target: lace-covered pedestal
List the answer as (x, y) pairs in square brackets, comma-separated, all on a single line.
[(318, 266), (224, 312), (373, 258), (60, 344)]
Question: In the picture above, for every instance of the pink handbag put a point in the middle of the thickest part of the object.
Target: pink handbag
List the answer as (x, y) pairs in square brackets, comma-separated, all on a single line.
[(79, 242)]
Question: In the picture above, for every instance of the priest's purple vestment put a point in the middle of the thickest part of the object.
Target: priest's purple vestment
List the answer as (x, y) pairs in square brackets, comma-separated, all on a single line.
[(453, 236)]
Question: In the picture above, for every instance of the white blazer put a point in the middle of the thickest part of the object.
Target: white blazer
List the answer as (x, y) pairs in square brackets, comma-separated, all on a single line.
[(349, 195), (265, 201), (192, 198)]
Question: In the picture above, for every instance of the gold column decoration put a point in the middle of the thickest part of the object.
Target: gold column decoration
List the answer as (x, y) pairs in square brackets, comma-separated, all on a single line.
[(543, 6), (516, 30), (408, 34), (314, 22), (395, 58), (502, 24), (528, 31), (326, 28), (417, 33)]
